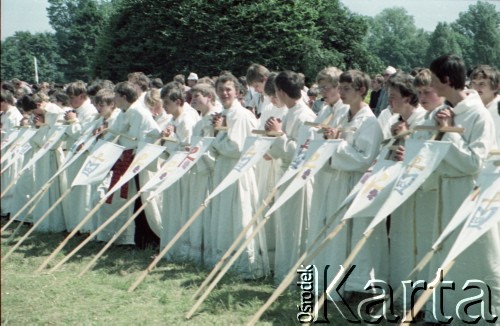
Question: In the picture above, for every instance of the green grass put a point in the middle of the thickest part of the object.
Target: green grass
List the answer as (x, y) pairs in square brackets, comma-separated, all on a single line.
[(100, 297)]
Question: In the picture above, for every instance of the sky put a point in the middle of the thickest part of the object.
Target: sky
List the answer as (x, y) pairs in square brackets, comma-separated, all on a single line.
[(31, 15), (24, 15), (426, 13)]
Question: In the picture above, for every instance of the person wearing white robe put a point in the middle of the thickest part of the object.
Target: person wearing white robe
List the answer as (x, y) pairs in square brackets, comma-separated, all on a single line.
[(292, 218), (322, 206), (361, 138), (234, 207), (153, 102), (145, 128), (410, 238), (457, 173), (112, 118), (201, 176), (386, 119), (176, 197), (47, 115), (11, 119), (268, 171), (138, 126), (23, 189), (494, 109), (256, 78), (486, 80), (79, 201)]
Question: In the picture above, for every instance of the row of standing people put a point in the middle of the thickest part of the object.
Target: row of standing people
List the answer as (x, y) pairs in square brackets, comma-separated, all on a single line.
[(299, 220)]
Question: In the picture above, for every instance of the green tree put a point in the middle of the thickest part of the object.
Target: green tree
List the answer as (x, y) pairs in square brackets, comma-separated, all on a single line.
[(479, 28), (442, 41), (342, 34), (78, 24), (18, 52), (394, 38), (166, 37)]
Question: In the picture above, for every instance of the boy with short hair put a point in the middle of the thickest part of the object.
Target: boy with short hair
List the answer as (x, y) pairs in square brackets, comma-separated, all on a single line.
[(268, 171), (113, 121), (410, 238), (112, 117), (46, 115), (328, 86), (256, 78), (292, 217), (175, 198), (361, 137), (11, 119), (201, 178), (79, 202), (486, 81), (457, 173), (139, 126), (325, 181), (403, 99), (235, 206)]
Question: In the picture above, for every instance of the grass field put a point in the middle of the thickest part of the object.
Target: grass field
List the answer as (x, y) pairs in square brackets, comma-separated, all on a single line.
[(100, 297)]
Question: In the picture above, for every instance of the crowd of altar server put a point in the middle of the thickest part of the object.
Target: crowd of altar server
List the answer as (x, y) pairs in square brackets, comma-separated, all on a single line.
[(229, 108)]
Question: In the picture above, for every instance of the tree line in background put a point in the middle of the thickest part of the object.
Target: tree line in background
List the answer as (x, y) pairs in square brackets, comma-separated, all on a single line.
[(107, 39)]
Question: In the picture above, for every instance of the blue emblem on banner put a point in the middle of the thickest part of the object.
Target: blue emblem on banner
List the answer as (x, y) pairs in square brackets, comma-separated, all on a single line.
[(89, 168)]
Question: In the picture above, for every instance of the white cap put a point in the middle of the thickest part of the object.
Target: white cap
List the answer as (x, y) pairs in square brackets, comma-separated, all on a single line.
[(390, 70), (192, 76)]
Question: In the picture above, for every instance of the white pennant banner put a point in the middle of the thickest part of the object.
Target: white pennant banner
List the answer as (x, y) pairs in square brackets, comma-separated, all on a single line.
[(23, 138), (484, 216), (374, 189), (166, 169), (97, 165), (175, 169), (79, 144), (20, 151), (57, 133), (421, 159), (8, 138), (379, 163), (485, 180), (302, 154), (253, 150), (79, 151), (144, 156), (307, 171)]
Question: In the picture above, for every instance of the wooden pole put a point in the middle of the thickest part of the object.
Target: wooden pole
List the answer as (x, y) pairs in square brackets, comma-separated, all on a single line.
[(267, 133), (37, 196), (228, 265), (5, 169), (426, 295), (95, 232), (236, 242), (346, 263), (306, 257), (40, 220), (440, 129), (184, 228), (13, 218), (113, 239), (72, 233), (10, 185), (421, 265)]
